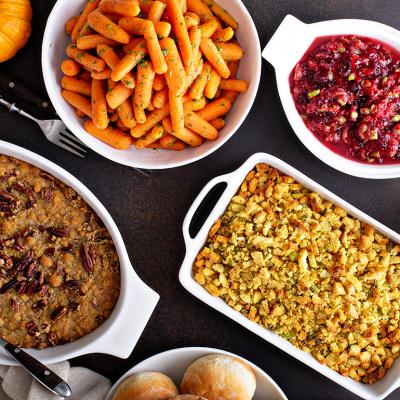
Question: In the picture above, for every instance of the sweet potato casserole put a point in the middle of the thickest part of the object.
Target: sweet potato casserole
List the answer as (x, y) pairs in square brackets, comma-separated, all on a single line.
[(59, 270), (299, 265)]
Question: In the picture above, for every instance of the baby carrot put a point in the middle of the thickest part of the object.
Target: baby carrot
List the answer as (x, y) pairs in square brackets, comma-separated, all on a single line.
[(145, 5), (153, 118), (121, 7), (108, 55), (217, 123), (99, 104), (200, 8), (178, 145), (76, 85), (151, 137), (212, 54), (70, 67), (200, 83), (117, 95), (215, 109), (70, 24), (238, 85), (84, 58), (230, 51), (212, 85), (167, 140), (140, 115), (121, 126), (125, 113), (156, 11), (223, 35), (209, 27), (112, 136), (137, 26), (102, 24), (153, 46), (78, 101), (195, 39), (144, 84), (105, 74), (199, 125), (160, 98), (90, 6), (186, 135), (91, 41), (230, 94), (79, 113), (191, 19), (176, 111), (222, 14)]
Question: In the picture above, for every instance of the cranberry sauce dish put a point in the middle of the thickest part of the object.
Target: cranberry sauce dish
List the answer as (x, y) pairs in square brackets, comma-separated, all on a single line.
[(346, 89)]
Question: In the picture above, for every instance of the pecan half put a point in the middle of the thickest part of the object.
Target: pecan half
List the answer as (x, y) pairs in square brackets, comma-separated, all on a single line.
[(58, 313), (87, 261), (25, 261), (31, 328), (58, 232), (9, 285)]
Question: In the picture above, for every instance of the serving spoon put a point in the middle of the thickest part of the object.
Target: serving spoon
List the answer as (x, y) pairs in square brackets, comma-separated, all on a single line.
[(39, 371)]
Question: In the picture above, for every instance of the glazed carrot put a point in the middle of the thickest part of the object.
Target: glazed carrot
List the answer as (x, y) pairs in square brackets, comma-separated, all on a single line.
[(176, 111), (230, 51), (70, 67), (217, 123), (76, 85), (209, 28), (159, 82), (105, 74), (144, 84), (145, 5), (84, 58), (183, 6), (150, 107), (195, 39), (79, 113), (128, 80), (178, 145), (186, 135), (137, 26), (112, 136), (167, 140), (92, 41), (86, 75), (70, 24), (78, 101), (163, 28), (153, 46), (156, 11), (176, 77), (121, 7), (86, 30), (196, 71), (102, 24), (140, 115), (125, 113), (90, 6), (238, 85), (151, 137), (200, 83), (130, 61), (195, 105), (223, 35), (117, 95), (191, 19), (212, 85), (199, 125), (122, 126), (108, 55), (99, 104), (200, 8), (160, 98), (114, 116), (178, 24), (212, 54), (230, 94), (222, 14), (215, 109), (153, 118)]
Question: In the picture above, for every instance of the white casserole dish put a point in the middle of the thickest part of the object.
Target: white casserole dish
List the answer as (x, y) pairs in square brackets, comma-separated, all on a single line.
[(376, 391), (55, 41), (285, 49), (119, 334), (174, 363)]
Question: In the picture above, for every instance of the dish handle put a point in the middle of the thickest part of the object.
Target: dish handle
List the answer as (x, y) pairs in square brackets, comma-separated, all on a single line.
[(283, 43), (195, 205)]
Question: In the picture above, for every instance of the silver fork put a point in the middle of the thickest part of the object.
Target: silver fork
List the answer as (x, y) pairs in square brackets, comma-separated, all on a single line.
[(54, 129)]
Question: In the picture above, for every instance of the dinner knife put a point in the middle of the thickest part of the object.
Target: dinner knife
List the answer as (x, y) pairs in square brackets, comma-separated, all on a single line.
[(40, 372)]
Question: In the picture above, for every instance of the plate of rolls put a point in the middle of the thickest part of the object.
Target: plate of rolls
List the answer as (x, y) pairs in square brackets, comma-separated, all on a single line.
[(195, 373)]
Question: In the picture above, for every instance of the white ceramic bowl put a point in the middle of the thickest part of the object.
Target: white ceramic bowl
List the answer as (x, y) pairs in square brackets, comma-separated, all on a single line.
[(119, 334), (284, 51), (376, 391), (175, 362), (53, 53)]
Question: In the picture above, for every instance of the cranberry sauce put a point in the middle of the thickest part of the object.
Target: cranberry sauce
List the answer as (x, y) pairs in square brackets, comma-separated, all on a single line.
[(347, 90)]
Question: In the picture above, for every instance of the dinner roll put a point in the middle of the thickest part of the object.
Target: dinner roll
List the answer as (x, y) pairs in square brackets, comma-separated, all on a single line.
[(219, 377), (146, 386)]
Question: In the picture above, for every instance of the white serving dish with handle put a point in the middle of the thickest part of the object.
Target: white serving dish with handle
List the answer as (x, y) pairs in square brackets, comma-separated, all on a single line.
[(285, 49), (118, 335), (174, 363), (55, 41), (376, 391)]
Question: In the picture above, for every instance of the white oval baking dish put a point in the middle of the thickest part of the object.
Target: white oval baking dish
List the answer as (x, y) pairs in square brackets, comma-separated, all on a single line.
[(119, 334), (285, 49), (376, 391), (174, 363)]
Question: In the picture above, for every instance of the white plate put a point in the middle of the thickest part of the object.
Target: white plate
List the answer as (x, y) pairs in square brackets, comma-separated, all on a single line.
[(376, 391), (284, 51), (119, 333), (175, 362), (53, 52)]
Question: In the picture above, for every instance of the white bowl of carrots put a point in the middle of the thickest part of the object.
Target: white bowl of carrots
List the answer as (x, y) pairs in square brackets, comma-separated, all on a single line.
[(151, 84)]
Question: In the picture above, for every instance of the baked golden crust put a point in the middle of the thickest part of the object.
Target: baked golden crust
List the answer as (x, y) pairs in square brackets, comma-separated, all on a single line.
[(299, 265), (59, 270)]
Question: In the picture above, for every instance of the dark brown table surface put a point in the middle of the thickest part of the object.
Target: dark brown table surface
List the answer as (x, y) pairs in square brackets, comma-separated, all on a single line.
[(149, 212)]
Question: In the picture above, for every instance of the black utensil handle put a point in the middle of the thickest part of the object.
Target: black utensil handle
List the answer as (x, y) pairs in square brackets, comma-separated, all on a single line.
[(19, 91), (39, 371)]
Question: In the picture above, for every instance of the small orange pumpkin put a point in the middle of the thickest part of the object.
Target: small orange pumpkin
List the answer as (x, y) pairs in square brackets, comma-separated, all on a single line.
[(15, 26)]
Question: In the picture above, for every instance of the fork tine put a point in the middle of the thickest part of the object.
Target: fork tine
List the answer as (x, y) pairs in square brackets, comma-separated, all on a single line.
[(67, 147), (142, 172), (72, 144), (71, 136)]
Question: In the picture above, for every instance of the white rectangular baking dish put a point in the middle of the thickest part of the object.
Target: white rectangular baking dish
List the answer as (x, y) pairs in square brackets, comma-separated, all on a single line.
[(119, 333), (376, 391)]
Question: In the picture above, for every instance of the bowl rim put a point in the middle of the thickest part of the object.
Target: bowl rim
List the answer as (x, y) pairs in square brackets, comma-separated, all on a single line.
[(103, 338), (197, 352), (283, 68), (60, 107)]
